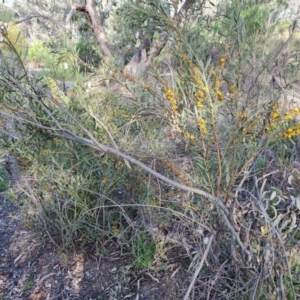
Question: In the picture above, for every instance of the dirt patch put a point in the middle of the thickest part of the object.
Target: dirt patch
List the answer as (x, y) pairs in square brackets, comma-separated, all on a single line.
[(32, 268)]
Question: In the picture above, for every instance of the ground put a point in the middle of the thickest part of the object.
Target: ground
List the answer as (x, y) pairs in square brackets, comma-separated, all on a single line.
[(31, 267)]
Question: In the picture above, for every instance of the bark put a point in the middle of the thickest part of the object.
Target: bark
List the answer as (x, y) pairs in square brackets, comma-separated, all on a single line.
[(183, 10), (136, 68), (96, 24)]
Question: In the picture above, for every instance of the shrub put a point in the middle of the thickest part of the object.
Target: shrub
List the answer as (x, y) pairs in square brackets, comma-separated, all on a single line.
[(216, 148), (13, 40), (38, 53)]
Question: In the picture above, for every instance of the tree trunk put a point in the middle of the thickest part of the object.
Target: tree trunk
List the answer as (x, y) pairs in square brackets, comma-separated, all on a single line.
[(96, 25), (141, 61)]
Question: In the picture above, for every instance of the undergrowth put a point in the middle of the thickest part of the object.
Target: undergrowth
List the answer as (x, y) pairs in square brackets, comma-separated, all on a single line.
[(215, 127)]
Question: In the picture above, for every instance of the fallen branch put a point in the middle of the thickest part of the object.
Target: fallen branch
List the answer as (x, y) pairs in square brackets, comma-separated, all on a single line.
[(199, 267)]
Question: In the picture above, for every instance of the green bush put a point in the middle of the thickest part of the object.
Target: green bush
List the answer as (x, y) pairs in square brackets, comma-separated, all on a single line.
[(86, 50), (38, 54), (215, 129), (13, 41)]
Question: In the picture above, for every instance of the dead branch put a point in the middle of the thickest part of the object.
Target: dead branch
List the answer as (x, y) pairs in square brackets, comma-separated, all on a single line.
[(183, 10), (62, 132), (199, 268), (39, 16)]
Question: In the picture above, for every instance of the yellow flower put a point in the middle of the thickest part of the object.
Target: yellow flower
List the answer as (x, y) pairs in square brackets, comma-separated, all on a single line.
[(220, 95), (243, 116), (274, 115), (221, 63), (199, 103), (52, 83), (202, 125), (231, 89), (171, 98), (57, 140), (104, 179), (288, 116), (291, 132), (200, 94), (197, 78)]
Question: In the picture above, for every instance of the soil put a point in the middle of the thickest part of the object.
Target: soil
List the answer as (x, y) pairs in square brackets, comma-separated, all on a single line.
[(32, 267)]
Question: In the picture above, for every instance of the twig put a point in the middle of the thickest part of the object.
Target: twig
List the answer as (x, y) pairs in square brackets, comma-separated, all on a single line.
[(199, 268), (38, 16), (237, 237), (105, 128), (293, 234)]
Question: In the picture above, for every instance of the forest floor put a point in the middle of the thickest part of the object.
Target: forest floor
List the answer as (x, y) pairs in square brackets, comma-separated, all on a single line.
[(32, 267)]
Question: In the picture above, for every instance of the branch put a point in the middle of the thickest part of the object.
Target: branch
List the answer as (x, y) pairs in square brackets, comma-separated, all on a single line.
[(38, 16), (134, 68), (95, 23), (93, 143), (199, 268), (183, 10), (68, 18), (157, 48)]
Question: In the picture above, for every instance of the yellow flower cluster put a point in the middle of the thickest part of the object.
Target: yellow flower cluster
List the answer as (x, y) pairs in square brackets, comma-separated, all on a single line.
[(293, 131), (189, 135), (201, 123), (13, 36), (171, 98), (197, 78), (231, 89), (192, 137), (220, 95), (185, 58), (52, 83), (201, 91), (200, 98), (274, 117), (57, 140), (250, 127), (292, 113), (277, 120), (104, 180), (221, 63), (243, 116)]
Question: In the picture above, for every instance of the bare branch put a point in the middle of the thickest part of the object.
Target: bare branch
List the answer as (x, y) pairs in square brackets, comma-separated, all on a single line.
[(157, 48), (95, 23), (68, 18), (38, 16), (92, 142), (184, 9), (186, 297)]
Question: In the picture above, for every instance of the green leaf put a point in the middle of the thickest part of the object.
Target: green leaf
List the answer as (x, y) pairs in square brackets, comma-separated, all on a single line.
[(127, 164)]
